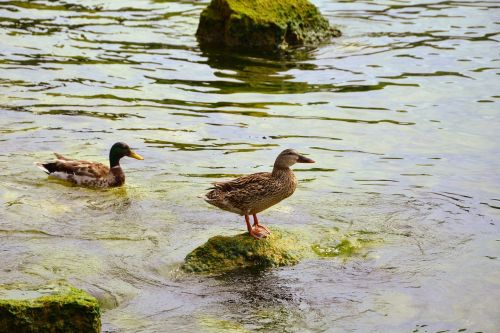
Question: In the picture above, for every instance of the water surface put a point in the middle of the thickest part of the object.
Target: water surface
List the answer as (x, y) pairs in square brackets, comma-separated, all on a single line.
[(401, 115)]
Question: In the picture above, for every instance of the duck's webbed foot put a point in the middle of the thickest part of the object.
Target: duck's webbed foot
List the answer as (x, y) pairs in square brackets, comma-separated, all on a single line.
[(260, 227), (257, 234), (256, 231), (261, 230)]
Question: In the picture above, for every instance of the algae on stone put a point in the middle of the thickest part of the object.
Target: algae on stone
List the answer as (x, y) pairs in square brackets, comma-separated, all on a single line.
[(223, 253), (57, 307), (211, 324), (343, 246), (268, 25)]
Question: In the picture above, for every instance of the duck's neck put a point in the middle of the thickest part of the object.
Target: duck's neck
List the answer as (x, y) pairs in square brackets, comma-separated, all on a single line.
[(118, 176), (114, 161), (281, 172)]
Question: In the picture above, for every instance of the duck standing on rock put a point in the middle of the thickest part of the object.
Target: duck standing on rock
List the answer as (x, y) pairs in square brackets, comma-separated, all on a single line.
[(251, 194), (91, 174)]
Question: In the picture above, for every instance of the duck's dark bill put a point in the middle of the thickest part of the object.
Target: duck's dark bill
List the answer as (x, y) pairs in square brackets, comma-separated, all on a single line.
[(303, 159), (133, 154)]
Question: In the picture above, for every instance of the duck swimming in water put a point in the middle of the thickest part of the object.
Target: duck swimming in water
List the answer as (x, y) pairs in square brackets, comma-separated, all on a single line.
[(91, 174), (251, 194)]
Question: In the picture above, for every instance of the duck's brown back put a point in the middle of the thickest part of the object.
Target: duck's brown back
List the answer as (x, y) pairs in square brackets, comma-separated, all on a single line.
[(253, 193)]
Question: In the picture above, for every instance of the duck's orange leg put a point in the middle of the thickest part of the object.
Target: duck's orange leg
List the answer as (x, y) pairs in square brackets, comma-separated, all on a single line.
[(254, 232), (258, 226)]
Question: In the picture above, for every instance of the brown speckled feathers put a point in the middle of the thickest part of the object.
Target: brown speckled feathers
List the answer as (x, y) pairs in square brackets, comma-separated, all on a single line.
[(76, 167), (88, 173), (81, 172), (249, 195), (253, 193)]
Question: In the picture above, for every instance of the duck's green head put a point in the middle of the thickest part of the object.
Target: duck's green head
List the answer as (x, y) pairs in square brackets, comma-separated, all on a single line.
[(119, 150)]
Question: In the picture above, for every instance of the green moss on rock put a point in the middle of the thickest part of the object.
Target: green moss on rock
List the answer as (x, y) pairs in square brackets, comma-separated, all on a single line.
[(345, 247), (224, 253), (268, 25), (57, 307)]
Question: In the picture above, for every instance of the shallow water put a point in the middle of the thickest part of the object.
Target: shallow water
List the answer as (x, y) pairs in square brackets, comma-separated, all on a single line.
[(401, 115)]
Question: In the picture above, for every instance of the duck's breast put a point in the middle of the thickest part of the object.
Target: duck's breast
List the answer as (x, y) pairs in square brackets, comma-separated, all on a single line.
[(278, 190)]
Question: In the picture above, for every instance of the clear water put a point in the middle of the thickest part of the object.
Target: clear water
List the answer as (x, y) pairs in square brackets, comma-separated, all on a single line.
[(401, 115)]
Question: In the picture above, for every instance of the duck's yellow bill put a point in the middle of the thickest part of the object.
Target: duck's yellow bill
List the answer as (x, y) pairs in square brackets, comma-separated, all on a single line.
[(133, 154)]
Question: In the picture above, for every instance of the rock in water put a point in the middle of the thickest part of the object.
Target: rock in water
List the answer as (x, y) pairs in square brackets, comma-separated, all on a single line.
[(57, 307), (224, 253), (268, 25)]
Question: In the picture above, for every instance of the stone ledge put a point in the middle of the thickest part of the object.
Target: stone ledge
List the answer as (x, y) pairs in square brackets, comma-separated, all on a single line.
[(55, 307)]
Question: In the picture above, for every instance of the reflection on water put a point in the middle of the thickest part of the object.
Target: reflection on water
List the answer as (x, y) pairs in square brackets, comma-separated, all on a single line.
[(400, 115)]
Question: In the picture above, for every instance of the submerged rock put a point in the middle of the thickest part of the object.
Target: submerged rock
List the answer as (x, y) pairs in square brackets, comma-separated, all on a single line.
[(224, 253), (57, 307), (344, 246), (268, 25)]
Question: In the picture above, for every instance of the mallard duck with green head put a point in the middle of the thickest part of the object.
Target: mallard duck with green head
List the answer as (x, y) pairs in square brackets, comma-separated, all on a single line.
[(91, 174), (251, 194)]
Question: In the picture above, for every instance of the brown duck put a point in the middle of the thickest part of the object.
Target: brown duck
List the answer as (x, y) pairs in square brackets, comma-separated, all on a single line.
[(91, 174), (251, 194)]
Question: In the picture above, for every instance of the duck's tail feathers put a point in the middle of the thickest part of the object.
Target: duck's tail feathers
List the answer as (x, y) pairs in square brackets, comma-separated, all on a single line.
[(42, 167), (202, 196), (60, 157), (48, 168), (206, 198)]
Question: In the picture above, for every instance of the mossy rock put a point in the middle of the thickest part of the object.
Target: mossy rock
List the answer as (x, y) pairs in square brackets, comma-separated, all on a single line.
[(56, 307), (224, 253), (343, 248), (267, 25)]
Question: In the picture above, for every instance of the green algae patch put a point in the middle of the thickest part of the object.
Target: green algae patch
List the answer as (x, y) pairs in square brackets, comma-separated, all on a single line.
[(212, 324), (343, 246), (56, 307), (267, 25), (225, 253)]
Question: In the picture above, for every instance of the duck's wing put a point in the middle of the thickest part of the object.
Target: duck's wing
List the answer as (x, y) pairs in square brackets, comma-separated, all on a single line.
[(80, 168), (245, 182), (238, 195)]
